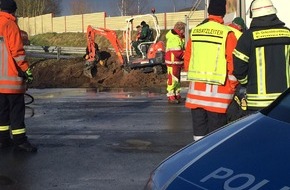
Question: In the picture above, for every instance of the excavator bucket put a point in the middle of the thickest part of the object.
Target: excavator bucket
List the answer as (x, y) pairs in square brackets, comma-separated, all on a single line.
[(90, 69)]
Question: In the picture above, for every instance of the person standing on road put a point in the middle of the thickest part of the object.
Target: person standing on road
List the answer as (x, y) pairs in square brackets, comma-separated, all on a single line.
[(237, 107), (261, 58), (208, 61), (174, 61), (13, 74)]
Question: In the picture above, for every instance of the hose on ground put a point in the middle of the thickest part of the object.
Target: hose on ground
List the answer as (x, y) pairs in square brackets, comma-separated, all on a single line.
[(29, 99)]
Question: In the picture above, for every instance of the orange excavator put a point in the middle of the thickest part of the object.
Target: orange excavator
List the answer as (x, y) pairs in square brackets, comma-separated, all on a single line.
[(92, 51), (153, 52)]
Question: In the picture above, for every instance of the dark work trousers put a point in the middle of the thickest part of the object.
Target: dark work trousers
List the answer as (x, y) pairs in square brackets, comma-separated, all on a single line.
[(135, 45), (12, 113), (204, 121)]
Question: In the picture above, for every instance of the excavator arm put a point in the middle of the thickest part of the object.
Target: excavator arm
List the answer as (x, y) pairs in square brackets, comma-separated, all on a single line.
[(110, 35), (92, 54)]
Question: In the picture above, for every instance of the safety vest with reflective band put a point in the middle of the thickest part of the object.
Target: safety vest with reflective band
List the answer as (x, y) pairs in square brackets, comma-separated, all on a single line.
[(214, 98), (174, 49), (208, 61), (236, 31), (12, 59), (268, 70)]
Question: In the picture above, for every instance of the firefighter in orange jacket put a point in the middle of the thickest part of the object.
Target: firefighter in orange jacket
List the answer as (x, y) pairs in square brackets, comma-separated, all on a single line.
[(238, 106), (209, 63), (238, 26), (174, 61), (14, 71)]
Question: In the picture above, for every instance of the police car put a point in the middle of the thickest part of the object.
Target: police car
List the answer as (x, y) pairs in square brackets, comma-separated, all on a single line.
[(252, 153)]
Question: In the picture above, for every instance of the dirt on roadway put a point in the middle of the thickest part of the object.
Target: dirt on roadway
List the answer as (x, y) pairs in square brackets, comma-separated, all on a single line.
[(68, 73)]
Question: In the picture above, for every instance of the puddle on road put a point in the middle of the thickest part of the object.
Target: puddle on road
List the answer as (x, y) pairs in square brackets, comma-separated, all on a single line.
[(133, 144), (95, 93), (123, 93), (139, 144)]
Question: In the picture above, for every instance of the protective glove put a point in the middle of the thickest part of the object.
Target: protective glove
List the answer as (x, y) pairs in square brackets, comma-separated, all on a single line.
[(241, 92), (240, 97), (28, 76)]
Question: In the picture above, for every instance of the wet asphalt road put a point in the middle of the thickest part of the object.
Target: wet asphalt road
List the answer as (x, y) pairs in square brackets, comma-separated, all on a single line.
[(95, 140)]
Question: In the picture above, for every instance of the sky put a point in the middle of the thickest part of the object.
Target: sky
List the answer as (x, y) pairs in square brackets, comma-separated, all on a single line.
[(110, 6)]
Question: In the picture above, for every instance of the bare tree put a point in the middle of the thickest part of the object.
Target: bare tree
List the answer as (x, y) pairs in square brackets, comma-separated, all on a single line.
[(80, 7), (133, 7), (53, 6), (32, 8)]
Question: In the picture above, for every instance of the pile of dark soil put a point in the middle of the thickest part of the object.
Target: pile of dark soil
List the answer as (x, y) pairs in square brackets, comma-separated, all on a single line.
[(68, 73)]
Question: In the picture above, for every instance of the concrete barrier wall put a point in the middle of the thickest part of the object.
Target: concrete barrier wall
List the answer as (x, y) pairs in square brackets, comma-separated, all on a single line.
[(78, 23), (94, 19), (116, 23), (38, 26), (59, 24), (32, 25), (74, 23)]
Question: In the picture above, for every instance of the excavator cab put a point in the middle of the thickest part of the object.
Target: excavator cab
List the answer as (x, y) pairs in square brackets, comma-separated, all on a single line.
[(153, 51)]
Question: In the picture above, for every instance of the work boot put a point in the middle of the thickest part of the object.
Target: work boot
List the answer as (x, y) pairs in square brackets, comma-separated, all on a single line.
[(172, 100), (179, 98), (6, 144), (25, 147)]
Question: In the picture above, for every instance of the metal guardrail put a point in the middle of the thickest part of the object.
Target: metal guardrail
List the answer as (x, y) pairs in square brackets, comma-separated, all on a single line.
[(65, 52), (54, 51)]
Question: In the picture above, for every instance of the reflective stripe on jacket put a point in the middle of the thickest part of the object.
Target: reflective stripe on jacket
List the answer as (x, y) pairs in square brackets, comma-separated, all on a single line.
[(12, 62), (209, 97), (262, 63), (209, 63), (214, 98), (174, 48)]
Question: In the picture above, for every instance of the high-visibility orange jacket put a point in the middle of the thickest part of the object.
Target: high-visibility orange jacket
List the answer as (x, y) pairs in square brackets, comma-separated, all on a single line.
[(214, 98), (12, 56)]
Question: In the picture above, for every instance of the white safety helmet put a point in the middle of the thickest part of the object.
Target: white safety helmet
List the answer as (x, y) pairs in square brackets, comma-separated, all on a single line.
[(260, 8)]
